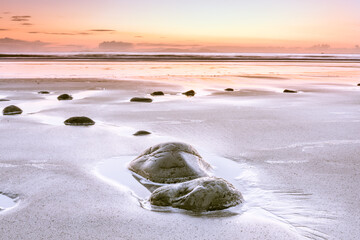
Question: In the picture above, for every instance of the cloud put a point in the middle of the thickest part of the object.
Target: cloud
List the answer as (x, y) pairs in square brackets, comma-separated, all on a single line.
[(101, 30), (166, 45), (138, 36), (4, 29), (20, 18), (9, 44), (27, 24), (320, 47), (115, 46), (61, 33)]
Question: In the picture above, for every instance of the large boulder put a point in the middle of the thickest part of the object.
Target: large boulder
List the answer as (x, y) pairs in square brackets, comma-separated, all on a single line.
[(79, 121), (201, 194), (171, 162), (64, 96), (12, 110)]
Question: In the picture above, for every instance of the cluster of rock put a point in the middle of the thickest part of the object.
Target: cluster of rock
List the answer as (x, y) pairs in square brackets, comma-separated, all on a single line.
[(182, 179)]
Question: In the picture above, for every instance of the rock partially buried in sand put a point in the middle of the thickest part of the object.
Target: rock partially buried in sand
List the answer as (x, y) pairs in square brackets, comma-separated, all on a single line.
[(140, 99), (189, 93), (289, 91), (79, 121), (229, 89), (12, 110), (64, 97), (158, 93), (171, 162), (43, 92), (141, 133), (4, 99), (202, 194)]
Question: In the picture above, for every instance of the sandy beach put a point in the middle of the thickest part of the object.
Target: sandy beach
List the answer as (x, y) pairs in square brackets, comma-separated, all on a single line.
[(293, 156)]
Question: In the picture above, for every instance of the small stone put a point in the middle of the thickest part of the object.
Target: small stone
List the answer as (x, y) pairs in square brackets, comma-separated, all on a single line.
[(140, 99), (79, 121), (358, 84), (170, 162), (201, 194), (141, 133), (289, 91), (12, 110), (158, 93), (229, 89), (43, 92), (64, 97), (189, 93), (4, 99)]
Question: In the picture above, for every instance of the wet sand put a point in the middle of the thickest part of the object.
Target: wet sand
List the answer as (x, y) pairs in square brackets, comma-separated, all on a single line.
[(293, 156)]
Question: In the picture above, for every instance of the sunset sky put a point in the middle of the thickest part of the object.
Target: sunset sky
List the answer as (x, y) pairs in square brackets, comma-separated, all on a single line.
[(186, 25)]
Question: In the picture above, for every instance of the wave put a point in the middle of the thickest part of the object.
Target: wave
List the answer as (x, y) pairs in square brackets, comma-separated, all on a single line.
[(101, 56)]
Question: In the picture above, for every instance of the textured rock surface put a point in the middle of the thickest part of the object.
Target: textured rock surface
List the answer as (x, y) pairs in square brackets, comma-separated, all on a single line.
[(140, 99), (170, 163), (64, 97), (79, 121), (189, 93), (202, 194), (12, 110)]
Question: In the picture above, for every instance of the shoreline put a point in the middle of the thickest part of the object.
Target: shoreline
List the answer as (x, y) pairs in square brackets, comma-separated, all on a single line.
[(49, 164)]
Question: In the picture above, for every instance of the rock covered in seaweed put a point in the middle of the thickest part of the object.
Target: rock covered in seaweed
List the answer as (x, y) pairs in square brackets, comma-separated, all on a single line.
[(141, 133), (12, 110), (189, 93), (43, 92), (79, 121), (201, 194), (64, 96), (158, 93), (289, 91), (171, 162), (140, 99)]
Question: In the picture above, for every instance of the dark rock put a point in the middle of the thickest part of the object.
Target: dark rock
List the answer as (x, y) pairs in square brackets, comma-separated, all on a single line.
[(43, 92), (358, 84), (64, 97), (79, 121), (189, 93), (141, 133), (4, 100), (229, 89), (158, 93), (12, 110), (289, 91), (170, 163), (201, 194), (140, 99)]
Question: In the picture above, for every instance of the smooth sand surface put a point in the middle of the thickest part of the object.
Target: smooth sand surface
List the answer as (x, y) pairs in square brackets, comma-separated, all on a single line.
[(295, 158)]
